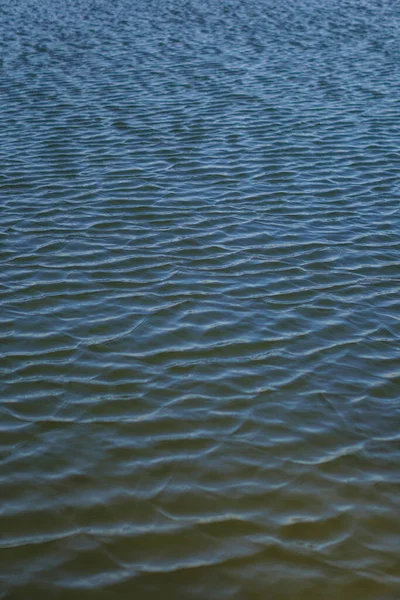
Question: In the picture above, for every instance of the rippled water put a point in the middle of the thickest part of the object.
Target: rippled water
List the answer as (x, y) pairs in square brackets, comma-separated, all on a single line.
[(200, 308)]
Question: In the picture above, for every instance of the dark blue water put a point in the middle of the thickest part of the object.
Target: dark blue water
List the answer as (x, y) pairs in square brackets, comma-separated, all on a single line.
[(200, 299)]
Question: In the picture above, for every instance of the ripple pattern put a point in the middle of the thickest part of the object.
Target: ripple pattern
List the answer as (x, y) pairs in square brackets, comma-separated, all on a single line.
[(199, 302)]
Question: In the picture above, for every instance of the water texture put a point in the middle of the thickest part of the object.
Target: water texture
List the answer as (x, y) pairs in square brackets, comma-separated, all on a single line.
[(199, 302)]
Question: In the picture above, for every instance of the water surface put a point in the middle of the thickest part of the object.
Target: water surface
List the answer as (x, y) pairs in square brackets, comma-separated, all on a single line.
[(199, 304)]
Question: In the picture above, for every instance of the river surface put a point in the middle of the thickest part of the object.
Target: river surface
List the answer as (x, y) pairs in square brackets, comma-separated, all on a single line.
[(200, 299)]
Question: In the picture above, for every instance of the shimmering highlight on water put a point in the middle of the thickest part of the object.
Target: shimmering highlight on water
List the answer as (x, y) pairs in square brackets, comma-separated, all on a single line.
[(199, 300)]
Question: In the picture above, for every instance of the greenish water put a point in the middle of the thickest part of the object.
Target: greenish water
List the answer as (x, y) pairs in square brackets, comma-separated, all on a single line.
[(199, 302)]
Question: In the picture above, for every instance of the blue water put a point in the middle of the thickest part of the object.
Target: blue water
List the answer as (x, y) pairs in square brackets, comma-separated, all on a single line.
[(199, 302)]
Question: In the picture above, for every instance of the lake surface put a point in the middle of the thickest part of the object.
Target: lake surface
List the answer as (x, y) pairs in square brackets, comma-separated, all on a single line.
[(200, 299)]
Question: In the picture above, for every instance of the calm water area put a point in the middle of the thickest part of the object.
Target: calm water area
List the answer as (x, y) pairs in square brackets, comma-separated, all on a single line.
[(199, 300)]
